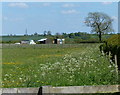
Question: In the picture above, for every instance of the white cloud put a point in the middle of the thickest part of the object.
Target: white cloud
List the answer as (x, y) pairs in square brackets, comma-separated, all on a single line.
[(114, 18), (20, 5), (46, 4), (12, 19), (106, 3), (17, 19), (72, 11), (68, 5)]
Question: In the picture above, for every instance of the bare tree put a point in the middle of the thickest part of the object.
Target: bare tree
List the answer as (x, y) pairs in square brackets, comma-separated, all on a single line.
[(100, 23)]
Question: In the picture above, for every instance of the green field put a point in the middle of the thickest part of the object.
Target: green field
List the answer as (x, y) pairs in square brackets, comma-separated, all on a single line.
[(18, 38), (56, 65), (68, 40)]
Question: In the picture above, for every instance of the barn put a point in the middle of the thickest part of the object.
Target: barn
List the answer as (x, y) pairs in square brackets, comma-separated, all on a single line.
[(25, 42), (59, 41), (45, 41), (28, 42)]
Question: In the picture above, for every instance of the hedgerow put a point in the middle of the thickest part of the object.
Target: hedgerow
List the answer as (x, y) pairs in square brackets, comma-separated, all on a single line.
[(112, 45)]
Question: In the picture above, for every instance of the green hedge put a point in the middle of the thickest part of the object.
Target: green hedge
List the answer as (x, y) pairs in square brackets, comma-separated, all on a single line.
[(112, 45), (114, 40)]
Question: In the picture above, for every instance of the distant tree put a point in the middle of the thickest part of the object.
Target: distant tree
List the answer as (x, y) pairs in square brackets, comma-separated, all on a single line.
[(58, 35), (45, 33), (65, 35), (49, 33), (77, 34), (11, 34), (36, 34), (71, 35), (100, 23)]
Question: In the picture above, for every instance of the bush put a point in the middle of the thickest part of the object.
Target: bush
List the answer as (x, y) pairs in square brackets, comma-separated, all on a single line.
[(114, 40), (112, 45)]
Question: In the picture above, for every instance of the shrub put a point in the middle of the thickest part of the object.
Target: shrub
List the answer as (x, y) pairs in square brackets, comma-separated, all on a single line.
[(114, 40), (112, 45)]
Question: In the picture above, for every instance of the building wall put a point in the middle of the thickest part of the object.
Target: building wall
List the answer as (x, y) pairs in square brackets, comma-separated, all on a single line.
[(25, 42), (59, 41), (47, 41)]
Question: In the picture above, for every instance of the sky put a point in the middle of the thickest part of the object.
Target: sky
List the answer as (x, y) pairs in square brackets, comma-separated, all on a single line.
[(57, 17)]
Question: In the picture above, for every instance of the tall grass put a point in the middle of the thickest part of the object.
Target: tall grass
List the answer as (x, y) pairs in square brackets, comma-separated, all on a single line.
[(64, 65)]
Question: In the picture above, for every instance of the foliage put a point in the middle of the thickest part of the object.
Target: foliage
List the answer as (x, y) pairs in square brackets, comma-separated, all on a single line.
[(56, 65), (100, 23), (70, 38), (12, 39), (112, 46), (114, 40)]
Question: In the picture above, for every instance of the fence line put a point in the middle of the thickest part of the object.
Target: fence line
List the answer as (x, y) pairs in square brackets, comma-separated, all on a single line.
[(63, 90)]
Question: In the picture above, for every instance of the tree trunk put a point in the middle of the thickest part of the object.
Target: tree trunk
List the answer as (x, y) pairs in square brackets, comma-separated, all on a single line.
[(100, 36)]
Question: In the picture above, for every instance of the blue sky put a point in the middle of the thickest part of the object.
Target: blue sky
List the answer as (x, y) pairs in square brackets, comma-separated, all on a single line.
[(56, 17)]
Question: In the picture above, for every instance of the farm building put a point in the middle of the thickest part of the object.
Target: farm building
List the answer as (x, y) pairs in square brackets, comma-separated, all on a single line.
[(32, 42), (42, 41), (28, 42), (50, 41), (45, 41), (25, 42), (59, 41)]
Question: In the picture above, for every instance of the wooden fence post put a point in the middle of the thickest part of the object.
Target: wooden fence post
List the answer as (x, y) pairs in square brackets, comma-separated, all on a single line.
[(116, 59), (103, 52), (116, 65), (40, 91), (109, 54)]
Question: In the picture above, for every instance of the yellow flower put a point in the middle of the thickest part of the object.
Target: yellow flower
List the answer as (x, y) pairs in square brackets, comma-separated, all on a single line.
[(52, 55), (37, 81), (12, 63)]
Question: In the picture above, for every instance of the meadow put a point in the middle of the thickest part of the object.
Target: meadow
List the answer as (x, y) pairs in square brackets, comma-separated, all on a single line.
[(56, 65)]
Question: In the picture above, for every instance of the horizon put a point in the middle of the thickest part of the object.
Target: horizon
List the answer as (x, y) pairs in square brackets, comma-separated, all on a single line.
[(55, 34), (61, 17)]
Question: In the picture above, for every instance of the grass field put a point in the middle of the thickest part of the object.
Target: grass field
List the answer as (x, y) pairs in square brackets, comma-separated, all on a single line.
[(19, 38), (56, 65)]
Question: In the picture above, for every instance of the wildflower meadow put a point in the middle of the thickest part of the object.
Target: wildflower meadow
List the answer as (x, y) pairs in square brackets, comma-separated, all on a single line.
[(56, 65)]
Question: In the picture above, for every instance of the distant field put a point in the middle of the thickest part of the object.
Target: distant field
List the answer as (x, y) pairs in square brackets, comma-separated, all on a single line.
[(13, 39), (56, 65), (19, 38)]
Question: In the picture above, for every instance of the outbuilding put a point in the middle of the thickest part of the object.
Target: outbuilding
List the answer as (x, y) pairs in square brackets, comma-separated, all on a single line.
[(28, 42), (45, 41), (25, 42), (59, 41)]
